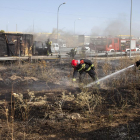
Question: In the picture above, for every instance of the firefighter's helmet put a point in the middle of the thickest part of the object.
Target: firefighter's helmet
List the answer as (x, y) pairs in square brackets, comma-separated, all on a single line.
[(74, 63)]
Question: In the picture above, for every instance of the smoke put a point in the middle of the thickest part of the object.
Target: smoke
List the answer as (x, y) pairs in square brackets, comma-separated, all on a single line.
[(65, 37), (44, 36), (116, 28), (119, 26), (70, 39), (96, 31)]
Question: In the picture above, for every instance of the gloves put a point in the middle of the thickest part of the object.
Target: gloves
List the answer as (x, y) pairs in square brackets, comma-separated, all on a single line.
[(74, 79), (91, 67)]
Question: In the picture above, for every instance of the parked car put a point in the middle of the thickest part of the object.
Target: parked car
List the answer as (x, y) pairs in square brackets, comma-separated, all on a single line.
[(87, 48)]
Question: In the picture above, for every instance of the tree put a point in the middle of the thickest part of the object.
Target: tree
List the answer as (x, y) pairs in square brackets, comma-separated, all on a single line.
[(2, 31)]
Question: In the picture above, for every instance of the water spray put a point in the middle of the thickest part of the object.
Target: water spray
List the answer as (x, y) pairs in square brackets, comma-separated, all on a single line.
[(108, 76)]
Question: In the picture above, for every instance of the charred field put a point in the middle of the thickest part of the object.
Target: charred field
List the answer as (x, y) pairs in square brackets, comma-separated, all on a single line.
[(38, 101)]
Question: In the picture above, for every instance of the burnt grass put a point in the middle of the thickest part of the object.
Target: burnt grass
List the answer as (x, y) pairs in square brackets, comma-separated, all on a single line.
[(116, 117)]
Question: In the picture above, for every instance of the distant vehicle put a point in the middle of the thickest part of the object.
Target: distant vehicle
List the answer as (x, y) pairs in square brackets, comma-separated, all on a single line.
[(137, 49), (84, 48), (63, 45), (87, 48), (55, 47), (86, 43), (113, 44)]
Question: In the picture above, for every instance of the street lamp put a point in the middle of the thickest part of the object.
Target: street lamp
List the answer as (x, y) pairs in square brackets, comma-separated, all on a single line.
[(57, 19), (74, 24), (130, 27)]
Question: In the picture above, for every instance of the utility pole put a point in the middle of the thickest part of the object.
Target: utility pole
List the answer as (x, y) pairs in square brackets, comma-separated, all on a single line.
[(130, 27), (57, 25), (16, 28), (58, 19)]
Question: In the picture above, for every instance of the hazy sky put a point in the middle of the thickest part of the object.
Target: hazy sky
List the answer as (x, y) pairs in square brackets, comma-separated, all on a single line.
[(97, 16)]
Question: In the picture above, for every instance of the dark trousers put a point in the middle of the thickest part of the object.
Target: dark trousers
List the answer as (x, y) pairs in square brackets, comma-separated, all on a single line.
[(90, 72)]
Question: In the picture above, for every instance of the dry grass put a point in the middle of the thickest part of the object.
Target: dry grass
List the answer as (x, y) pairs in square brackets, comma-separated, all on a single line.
[(67, 110), (40, 70)]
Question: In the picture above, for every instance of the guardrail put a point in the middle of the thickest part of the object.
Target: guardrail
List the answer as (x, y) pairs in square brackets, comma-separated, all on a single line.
[(112, 54), (64, 55)]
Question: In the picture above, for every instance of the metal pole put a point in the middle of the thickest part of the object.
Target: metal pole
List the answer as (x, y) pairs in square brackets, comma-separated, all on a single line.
[(7, 26), (130, 27), (19, 49), (58, 19), (16, 28)]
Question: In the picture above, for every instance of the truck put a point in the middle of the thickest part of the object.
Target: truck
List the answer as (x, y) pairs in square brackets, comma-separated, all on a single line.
[(110, 44)]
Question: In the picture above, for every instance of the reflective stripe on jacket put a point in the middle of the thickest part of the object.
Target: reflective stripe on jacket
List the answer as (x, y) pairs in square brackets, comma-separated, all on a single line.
[(85, 65)]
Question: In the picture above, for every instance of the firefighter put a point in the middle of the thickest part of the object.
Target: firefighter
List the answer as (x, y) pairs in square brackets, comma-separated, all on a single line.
[(83, 66), (48, 44), (72, 52)]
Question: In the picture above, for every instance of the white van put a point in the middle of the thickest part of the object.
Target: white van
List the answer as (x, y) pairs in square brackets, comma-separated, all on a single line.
[(87, 48), (55, 47)]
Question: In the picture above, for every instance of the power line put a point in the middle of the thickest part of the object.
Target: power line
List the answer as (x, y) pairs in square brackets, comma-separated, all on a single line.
[(87, 16)]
